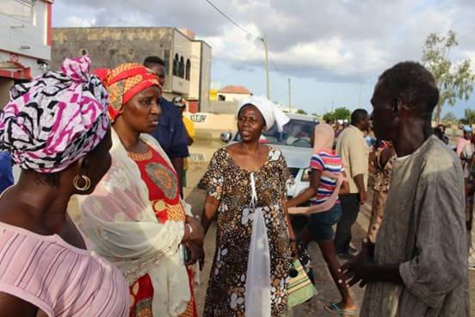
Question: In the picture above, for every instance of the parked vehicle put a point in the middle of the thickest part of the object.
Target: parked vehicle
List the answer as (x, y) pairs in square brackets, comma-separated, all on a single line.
[(294, 142)]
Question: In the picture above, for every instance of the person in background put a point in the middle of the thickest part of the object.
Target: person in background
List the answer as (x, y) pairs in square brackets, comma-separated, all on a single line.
[(382, 163), (464, 140), (170, 133), (246, 191), (442, 129), (346, 124), (470, 203), (326, 169), (135, 217), (352, 148), (6, 174), (418, 266), (370, 141), (467, 156), (180, 103), (57, 131)]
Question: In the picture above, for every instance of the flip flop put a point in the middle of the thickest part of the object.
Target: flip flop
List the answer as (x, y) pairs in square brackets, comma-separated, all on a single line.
[(335, 309)]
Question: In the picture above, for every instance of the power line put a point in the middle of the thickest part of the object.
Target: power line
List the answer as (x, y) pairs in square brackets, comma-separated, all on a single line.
[(233, 22), (275, 67)]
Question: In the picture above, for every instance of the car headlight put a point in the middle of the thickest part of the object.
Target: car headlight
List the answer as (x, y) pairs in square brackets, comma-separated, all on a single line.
[(306, 175)]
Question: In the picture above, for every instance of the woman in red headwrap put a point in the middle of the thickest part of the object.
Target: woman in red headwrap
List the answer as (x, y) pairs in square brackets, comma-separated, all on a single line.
[(135, 217)]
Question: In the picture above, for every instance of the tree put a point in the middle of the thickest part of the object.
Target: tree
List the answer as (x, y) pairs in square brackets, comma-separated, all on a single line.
[(454, 79), (329, 117), (342, 113), (300, 111), (450, 118), (469, 117)]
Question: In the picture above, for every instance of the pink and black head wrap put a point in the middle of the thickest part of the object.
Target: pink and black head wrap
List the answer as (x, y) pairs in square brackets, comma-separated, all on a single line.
[(56, 119)]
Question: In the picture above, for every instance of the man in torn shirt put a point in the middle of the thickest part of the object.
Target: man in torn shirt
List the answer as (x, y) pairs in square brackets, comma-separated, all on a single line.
[(418, 266)]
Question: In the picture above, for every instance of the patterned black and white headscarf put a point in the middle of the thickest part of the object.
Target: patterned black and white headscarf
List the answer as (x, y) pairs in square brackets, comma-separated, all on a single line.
[(56, 119)]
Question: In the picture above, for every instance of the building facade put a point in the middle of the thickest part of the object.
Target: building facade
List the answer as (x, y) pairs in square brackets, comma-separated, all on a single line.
[(25, 41), (233, 93), (187, 60)]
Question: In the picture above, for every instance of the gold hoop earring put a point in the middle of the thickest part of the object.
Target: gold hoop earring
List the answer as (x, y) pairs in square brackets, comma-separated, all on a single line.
[(87, 182)]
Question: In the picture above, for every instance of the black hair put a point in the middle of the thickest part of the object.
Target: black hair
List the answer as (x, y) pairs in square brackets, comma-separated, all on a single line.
[(414, 85), (438, 133), (153, 60), (358, 115)]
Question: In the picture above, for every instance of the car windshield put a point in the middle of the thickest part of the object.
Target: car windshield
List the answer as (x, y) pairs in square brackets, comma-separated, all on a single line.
[(296, 133)]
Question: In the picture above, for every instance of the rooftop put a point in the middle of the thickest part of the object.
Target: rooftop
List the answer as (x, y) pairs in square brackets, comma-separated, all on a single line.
[(234, 90)]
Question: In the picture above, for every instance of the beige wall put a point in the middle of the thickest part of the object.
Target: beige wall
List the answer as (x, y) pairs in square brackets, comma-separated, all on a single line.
[(195, 70), (183, 47), (109, 47), (234, 97), (206, 62), (223, 107), (210, 125)]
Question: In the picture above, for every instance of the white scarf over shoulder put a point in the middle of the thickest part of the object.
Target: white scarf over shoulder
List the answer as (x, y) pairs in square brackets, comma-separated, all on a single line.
[(120, 225)]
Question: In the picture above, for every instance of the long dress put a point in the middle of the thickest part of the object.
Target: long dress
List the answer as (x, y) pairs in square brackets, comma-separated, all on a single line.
[(135, 220), (231, 185), (164, 195)]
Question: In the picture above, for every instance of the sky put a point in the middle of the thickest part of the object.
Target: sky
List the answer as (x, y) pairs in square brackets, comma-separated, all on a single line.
[(332, 51)]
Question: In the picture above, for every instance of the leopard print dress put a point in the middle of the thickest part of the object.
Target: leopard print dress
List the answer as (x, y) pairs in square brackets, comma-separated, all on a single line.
[(230, 184)]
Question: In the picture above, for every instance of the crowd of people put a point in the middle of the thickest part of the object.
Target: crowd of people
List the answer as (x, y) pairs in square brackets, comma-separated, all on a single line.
[(111, 139)]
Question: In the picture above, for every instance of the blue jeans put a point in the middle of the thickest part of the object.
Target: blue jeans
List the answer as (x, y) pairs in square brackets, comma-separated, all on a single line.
[(321, 224)]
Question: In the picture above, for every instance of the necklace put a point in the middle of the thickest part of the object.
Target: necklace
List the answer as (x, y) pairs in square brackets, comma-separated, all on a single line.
[(141, 156)]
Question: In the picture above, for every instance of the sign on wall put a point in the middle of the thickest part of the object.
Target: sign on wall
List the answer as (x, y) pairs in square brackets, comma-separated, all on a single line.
[(198, 118)]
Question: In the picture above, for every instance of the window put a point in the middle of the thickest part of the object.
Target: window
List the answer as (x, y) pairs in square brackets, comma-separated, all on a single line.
[(166, 61), (188, 69), (176, 63), (181, 68)]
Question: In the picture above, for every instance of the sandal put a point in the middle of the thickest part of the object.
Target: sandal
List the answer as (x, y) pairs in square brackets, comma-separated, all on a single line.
[(335, 309)]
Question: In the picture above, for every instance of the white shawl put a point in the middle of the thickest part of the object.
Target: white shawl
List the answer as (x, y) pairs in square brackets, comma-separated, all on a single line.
[(269, 110), (120, 225)]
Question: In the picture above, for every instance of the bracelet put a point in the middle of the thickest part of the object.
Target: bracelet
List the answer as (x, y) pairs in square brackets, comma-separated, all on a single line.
[(190, 228)]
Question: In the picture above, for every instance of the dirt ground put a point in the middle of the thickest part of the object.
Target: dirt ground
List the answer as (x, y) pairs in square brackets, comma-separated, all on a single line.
[(327, 292)]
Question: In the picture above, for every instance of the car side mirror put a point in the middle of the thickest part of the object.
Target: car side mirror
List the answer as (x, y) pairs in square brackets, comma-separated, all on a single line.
[(226, 137)]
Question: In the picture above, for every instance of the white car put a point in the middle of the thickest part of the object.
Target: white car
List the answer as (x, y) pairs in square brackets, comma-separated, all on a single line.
[(294, 142)]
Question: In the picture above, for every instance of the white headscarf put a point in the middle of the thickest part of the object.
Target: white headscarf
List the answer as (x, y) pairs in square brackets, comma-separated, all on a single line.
[(271, 113)]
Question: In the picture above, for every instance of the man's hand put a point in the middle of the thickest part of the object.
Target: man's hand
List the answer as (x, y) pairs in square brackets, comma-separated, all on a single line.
[(359, 269), (196, 253)]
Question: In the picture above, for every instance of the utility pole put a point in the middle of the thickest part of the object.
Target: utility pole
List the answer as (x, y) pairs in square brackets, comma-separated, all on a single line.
[(266, 46), (290, 97)]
